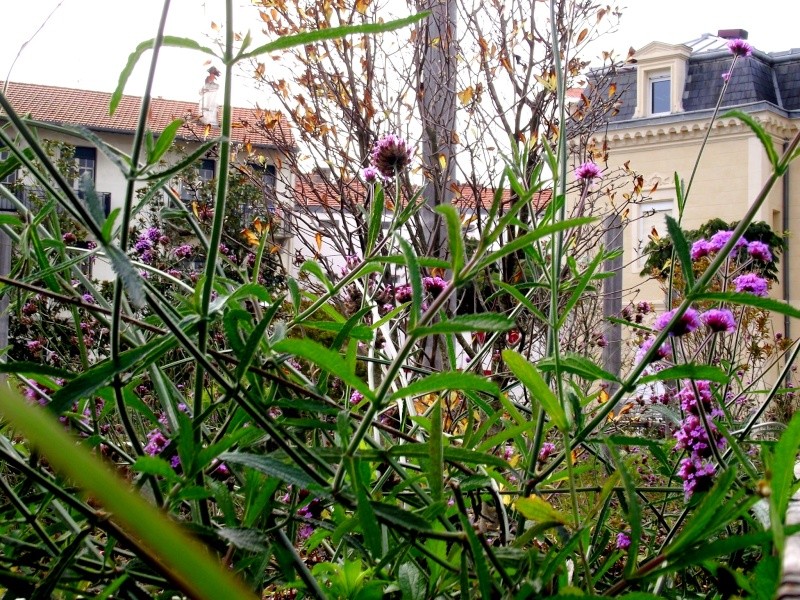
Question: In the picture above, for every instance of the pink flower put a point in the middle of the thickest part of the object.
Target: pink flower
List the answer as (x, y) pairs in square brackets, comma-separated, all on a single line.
[(623, 541), (697, 475), (750, 283), (390, 155), (719, 239), (370, 174), (719, 320), (663, 352), (587, 172), (759, 251), (546, 450), (687, 323), (356, 397), (434, 285), (700, 249), (740, 47)]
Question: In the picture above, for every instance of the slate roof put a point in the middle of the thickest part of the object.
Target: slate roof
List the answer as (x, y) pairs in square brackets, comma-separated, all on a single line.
[(67, 106), (763, 77)]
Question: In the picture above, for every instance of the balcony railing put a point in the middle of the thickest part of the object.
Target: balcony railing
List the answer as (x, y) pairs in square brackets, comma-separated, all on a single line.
[(28, 195)]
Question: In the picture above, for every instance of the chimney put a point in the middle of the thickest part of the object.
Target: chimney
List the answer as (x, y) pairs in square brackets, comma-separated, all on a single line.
[(732, 34)]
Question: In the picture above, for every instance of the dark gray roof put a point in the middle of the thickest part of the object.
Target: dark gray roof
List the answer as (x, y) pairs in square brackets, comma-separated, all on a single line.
[(773, 78)]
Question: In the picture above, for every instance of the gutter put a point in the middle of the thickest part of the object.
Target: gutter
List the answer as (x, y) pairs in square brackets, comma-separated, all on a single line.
[(787, 271)]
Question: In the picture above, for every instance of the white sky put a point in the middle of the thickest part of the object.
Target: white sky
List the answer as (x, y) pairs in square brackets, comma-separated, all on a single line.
[(86, 43)]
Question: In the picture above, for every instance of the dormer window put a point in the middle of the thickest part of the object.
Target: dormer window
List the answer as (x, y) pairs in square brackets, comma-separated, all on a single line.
[(660, 79), (660, 93)]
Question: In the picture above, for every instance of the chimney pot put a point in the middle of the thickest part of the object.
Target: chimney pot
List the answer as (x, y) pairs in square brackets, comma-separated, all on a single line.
[(732, 34)]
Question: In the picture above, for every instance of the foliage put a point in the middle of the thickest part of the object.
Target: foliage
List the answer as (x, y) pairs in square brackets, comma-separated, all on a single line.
[(408, 447)]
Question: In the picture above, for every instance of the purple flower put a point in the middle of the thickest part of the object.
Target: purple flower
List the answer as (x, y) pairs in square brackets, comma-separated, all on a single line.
[(435, 285), (688, 400), (719, 320), (759, 251), (644, 307), (700, 249), (663, 352), (687, 323), (587, 172), (69, 238), (692, 436), (356, 397), (151, 233), (183, 251), (726, 76), (391, 154), (88, 298), (751, 283), (142, 244), (34, 345), (403, 293), (696, 474), (719, 239), (740, 47), (370, 174), (156, 442), (546, 450), (623, 541)]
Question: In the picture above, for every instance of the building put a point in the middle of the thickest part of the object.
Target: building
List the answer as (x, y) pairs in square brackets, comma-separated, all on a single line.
[(669, 95), (260, 138)]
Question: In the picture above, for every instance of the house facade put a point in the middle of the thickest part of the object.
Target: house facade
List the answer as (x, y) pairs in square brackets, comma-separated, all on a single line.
[(260, 138), (668, 99)]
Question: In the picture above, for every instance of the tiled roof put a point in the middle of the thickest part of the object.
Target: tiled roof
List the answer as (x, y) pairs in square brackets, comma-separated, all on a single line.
[(315, 190), (67, 106)]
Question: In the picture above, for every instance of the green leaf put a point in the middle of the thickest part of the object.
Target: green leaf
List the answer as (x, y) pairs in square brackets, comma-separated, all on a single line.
[(783, 463), (526, 240), (538, 509), (364, 510), (149, 532), (451, 380), (92, 201), (45, 589), (400, 518), (309, 37), (154, 465), (273, 467), (189, 160), (455, 236), (529, 376), (681, 247), (763, 136), (133, 58), (633, 510), (583, 282), (252, 540), (164, 141), (412, 582), (314, 268), (577, 365), (436, 470), (362, 333), (749, 300), (108, 224), (376, 211), (688, 371), (414, 279), (99, 376), (294, 294), (130, 278), (327, 359), (462, 323)]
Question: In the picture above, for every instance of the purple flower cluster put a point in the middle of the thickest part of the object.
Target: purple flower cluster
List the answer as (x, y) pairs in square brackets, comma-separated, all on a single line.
[(587, 172), (390, 155), (759, 251), (546, 450), (687, 323), (623, 540), (750, 283), (434, 285), (402, 293), (183, 250), (145, 245), (663, 352), (719, 320), (371, 175), (695, 470)]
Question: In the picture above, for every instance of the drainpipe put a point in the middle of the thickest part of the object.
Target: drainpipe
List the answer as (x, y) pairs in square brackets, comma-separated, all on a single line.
[(787, 271)]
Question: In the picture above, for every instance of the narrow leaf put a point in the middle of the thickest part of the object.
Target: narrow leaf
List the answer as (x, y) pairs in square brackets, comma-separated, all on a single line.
[(529, 376)]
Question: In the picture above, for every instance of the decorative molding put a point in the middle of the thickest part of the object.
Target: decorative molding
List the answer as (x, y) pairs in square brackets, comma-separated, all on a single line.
[(659, 131)]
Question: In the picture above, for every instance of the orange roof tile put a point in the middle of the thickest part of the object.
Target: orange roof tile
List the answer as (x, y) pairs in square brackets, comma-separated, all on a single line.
[(314, 190), (67, 106)]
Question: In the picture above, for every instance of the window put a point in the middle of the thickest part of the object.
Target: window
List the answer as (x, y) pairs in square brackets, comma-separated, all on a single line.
[(86, 163), (652, 224), (660, 92), (205, 174), (11, 178)]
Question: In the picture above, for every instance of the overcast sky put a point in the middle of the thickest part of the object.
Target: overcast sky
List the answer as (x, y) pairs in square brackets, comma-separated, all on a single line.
[(85, 43)]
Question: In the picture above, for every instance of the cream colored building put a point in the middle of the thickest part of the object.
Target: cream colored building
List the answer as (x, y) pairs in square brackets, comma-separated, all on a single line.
[(668, 99)]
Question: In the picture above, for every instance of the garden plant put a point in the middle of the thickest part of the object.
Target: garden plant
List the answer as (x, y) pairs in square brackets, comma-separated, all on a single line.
[(231, 435)]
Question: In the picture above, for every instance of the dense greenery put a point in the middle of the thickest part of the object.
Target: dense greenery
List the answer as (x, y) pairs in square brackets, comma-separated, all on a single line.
[(225, 437)]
